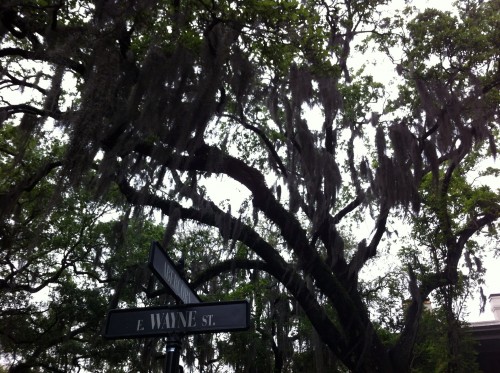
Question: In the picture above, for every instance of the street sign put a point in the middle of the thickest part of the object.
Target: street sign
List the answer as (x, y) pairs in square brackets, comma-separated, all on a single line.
[(182, 319), (163, 267)]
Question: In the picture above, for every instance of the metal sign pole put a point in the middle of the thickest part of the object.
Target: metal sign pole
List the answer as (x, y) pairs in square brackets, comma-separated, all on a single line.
[(172, 355)]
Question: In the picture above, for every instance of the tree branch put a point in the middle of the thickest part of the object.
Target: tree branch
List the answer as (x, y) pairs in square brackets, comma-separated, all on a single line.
[(339, 289), (39, 56), (28, 109), (228, 265), (266, 141), (277, 267)]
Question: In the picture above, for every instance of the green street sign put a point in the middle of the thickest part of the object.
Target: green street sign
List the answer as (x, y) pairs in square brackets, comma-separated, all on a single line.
[(182, 319)]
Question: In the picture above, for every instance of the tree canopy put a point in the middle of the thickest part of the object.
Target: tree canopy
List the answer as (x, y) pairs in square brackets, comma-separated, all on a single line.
[(119, 117)]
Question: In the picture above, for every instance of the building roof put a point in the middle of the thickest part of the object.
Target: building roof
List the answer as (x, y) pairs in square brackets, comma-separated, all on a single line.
[(487, 334)]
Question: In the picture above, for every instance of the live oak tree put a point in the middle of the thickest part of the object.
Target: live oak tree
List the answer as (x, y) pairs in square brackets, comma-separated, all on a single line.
[(58, 278), (450, 54), (144, 104)]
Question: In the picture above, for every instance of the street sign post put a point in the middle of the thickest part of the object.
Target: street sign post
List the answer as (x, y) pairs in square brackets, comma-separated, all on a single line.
[(173, 322), (166, 271), (182, 319), (172, 355)]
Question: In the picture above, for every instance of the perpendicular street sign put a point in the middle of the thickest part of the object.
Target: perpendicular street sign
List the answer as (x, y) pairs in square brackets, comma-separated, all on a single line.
[(163, 267), (182, 319)]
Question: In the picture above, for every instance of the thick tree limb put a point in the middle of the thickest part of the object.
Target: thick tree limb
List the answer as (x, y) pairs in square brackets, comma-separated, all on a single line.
[(10, 198), (28, 109), (267, 142), (340, 290), (15, 81), (277, 267), (348, 304), (226, 266), (41, 56)]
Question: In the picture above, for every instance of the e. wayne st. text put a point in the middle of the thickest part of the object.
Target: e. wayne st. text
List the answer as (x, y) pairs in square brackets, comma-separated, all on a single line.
[(175, 320)]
